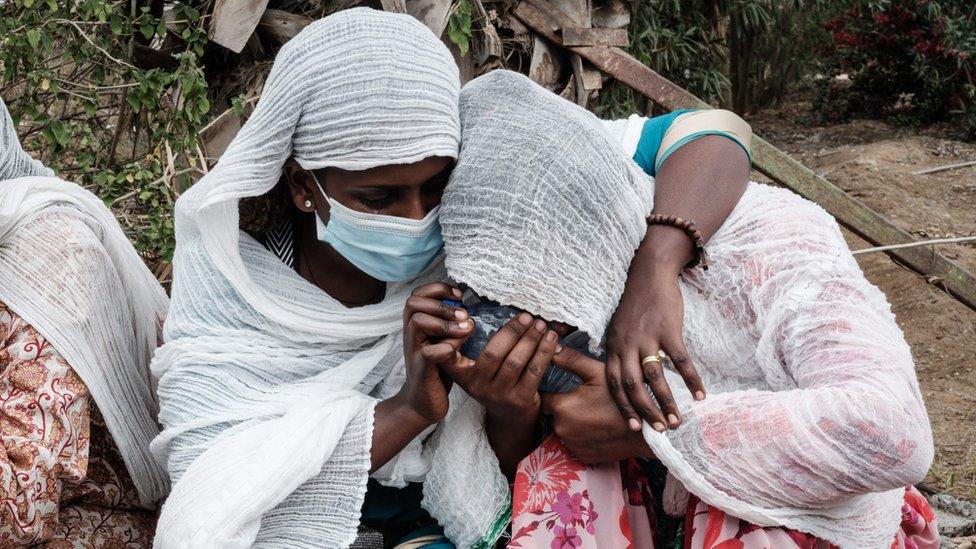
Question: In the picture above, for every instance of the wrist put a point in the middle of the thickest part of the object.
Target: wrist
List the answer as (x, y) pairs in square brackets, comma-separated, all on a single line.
[(512, 419), (408, 415), (666, 249)]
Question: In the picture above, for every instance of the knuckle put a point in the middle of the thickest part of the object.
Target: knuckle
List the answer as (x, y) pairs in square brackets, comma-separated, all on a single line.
[(652, 374), (511, 328), (514, 361), (573, 356), (489, 356), (613, 382), (630, 383)]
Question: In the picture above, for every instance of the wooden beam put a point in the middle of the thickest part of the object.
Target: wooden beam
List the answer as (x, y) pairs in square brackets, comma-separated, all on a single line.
[(579, 36), (548, 22), (281, 25), (234, 22)]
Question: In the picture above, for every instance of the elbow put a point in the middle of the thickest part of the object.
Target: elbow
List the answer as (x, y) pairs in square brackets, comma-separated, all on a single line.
[(895, 449)]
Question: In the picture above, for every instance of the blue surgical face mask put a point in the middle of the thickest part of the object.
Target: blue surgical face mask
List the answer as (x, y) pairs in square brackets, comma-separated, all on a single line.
[(385, 247)]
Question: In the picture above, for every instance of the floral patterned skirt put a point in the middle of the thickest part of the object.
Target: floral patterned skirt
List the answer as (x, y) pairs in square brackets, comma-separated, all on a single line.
[(560, 503)]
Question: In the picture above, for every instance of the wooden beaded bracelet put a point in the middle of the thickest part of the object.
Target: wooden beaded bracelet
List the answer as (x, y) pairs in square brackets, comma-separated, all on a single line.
[(688, 227)]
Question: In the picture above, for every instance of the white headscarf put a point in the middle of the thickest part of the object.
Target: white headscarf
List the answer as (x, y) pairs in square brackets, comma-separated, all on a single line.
[(502, 113), (267, 384), (67, 269)]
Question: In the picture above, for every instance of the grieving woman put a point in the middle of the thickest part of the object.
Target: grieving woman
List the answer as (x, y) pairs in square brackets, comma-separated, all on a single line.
[(79, 317), (814, 424), (302, 392)]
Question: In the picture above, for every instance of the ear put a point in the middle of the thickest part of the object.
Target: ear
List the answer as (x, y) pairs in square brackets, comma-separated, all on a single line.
[(302, 185)]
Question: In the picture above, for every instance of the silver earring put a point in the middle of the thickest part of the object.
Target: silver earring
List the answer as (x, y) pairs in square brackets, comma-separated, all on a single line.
[(308, 203)]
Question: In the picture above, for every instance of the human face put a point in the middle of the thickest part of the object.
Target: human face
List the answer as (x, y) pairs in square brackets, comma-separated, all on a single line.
[(402, 190)]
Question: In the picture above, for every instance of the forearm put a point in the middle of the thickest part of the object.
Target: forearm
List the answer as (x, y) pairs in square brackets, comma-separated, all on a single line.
[(395, 424), (511, 440), (701, 182)]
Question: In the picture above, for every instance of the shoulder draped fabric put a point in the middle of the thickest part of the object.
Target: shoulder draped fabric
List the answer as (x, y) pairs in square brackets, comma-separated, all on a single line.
[(68, 270), (814, 419), (267, 385)]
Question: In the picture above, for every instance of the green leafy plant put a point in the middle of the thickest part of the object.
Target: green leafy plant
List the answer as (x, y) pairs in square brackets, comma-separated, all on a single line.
[(740, 54), (906, 61), (111, 96), (459, 26)]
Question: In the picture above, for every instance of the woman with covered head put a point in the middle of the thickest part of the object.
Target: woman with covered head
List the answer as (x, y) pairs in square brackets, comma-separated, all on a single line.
[(79, 318), (814, 424), (301, 385)]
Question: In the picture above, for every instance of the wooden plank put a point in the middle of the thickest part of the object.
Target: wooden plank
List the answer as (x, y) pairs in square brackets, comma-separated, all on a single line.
[(394, 6), (547, 21), (234, 22), (281, 25), (432, 13), (578, 36), (955, 166)]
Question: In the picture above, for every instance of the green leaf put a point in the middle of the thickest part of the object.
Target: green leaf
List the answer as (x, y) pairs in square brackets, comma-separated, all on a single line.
[(459, 26), (33, 37)]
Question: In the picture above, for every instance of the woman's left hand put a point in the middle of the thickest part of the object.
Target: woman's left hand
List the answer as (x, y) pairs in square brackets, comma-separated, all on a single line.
[(505, 378), (649, 319)]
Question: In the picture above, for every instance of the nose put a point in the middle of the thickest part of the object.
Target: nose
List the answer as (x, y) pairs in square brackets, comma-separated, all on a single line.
[(421, 205)]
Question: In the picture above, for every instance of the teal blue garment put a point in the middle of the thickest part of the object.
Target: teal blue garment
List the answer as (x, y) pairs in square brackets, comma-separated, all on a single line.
[(397, 514), (653, 134)]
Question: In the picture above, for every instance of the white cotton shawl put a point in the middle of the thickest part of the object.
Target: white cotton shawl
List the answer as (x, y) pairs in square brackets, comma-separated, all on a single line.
[(267, 385), (68, 270), (813, 421)]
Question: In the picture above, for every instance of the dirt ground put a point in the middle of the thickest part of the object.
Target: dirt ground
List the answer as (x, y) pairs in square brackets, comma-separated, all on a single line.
[(874, 162)]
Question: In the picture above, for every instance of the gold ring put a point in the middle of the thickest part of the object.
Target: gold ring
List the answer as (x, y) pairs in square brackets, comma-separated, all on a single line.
[(651, 358)]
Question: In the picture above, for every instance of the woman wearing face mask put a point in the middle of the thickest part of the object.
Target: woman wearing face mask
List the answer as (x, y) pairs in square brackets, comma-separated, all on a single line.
[(300, 363), (302, 358)]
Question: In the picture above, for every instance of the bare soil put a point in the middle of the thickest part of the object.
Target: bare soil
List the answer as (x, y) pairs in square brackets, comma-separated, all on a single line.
[(874, 162)]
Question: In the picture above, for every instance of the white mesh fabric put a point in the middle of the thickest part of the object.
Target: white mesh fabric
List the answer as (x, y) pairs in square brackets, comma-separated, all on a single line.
[(267, 385), (14, 162), (67, 268), (541, 152), (814, 419)]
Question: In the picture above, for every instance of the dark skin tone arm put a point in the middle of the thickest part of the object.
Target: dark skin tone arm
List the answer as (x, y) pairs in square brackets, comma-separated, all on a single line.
[(702, 181)]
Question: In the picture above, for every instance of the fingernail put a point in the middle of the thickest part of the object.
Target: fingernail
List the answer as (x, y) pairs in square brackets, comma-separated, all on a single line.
[(457, 292), (559, 348), (524, 319), (699, 395), (634, 424), (540, 325), (550, 336), (659, 427), (460, 313), (673, 420), (464, 325)]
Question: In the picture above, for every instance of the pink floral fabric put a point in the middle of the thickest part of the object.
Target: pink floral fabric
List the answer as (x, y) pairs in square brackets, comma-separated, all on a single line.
[(560, 503), (709, 528), (63, 483)]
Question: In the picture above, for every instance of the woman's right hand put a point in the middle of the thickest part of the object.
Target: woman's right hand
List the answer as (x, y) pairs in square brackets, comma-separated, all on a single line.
[(432, 335)]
